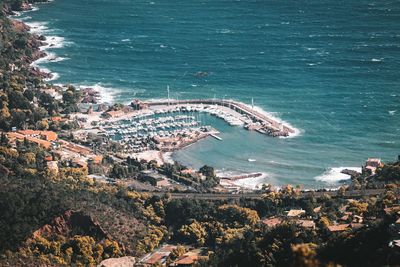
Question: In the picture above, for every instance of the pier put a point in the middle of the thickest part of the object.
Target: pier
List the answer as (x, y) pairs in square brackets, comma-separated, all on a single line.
[(216, 137), (260, 122)]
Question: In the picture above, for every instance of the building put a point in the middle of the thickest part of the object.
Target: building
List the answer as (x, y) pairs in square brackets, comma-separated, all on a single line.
[(138, 105), (34, 138), (185, 260), (154, 178), (44, 135), (53, 93), (306, 223), (272, 222), (338, 228), (162, 183), (78, 163), (97, 159), (115, 113), (52, 165), (58, 118), (295, 213), (372, 164)]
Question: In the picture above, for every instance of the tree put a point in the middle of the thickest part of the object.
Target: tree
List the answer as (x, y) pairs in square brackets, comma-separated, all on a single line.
[(42, 125), (305, 255)]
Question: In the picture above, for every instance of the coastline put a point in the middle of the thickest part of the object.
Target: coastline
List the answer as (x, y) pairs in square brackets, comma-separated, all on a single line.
[(42, 73), (43, 41), (37, 41)]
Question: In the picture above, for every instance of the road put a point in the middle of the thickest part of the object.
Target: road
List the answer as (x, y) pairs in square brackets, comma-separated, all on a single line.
[(210, 196)]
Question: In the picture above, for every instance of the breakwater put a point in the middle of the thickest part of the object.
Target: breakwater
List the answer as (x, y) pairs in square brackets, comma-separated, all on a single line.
[(259, 122)]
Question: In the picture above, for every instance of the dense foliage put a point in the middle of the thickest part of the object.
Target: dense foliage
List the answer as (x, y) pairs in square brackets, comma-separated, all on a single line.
[(33, 197)]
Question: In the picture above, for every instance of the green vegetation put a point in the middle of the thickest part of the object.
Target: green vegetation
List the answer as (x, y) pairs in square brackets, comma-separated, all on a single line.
[(119, 221)]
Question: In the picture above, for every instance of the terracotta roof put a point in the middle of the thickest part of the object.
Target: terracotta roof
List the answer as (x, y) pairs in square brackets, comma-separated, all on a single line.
[(113, 113), (98, 159), (48, 135), (186, 259), (317, 209), (306, 223), (338, 228), (272, 222), (392, 210), (155, 258)]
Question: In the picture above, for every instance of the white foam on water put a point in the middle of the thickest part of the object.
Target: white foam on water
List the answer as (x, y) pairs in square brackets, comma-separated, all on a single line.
[(34, 8), (167, 157), (58, 59), (224, 31), (24, 18), (38, 27), (107, 94), (333, 175), (297, 132), (54, 42), (252, 183), (45, 59), (54, 76)]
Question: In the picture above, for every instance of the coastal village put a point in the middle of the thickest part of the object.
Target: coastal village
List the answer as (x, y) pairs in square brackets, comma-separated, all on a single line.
[(144, 131), (87, 184)]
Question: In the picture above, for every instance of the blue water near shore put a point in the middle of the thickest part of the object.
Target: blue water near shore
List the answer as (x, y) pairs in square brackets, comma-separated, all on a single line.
[(329, 68)]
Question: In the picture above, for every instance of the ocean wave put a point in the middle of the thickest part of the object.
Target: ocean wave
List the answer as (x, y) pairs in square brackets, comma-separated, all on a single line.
[(54, 76), (38, 27), (297, 132), (107, 94), (333, 175), (24, 18), (252, 183), (167, 157), (224, 31), (50, 57), (54, 42)]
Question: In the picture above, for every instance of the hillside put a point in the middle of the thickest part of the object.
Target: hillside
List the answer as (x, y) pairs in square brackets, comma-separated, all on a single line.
[(52, 214)]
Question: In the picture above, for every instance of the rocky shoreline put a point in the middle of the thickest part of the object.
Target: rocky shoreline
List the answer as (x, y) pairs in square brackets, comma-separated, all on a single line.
[(25, 5), (34, 42)]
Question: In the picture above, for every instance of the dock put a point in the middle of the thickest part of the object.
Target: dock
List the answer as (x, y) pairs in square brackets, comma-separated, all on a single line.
[(216, 137), (265, 123)]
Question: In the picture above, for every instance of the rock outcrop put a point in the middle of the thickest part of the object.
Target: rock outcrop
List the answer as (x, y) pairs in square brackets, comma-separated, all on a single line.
[(71, 223)]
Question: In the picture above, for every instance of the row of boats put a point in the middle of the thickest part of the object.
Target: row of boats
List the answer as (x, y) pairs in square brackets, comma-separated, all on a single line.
[(137, 132), (231, 119)]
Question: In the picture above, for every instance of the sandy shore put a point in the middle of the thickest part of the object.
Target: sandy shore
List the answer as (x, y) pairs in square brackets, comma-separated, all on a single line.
[(149, 155)]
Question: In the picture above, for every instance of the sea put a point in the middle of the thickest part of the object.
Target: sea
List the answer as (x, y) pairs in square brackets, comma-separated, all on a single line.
[(330, 69)]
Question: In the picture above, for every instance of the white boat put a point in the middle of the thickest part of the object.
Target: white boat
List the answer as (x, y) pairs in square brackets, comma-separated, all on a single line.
[(251, 160)]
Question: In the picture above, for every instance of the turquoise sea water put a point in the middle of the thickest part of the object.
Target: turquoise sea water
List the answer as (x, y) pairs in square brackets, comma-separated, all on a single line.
[(329, 68)]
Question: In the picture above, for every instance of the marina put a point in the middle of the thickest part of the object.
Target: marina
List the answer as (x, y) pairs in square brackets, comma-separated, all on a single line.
[(235, 113), (169, 125)]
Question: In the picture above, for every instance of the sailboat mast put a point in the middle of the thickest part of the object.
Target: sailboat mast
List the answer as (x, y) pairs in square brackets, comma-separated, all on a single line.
[(168, 93)]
